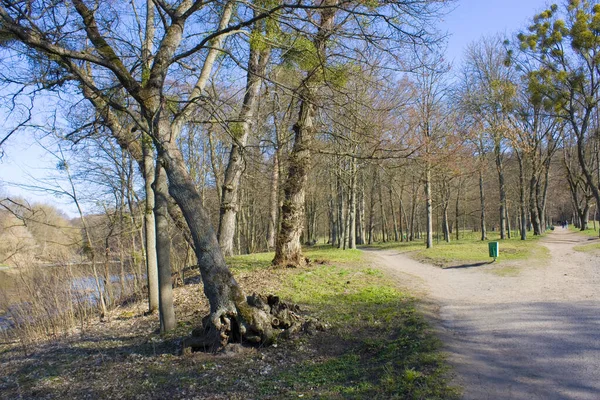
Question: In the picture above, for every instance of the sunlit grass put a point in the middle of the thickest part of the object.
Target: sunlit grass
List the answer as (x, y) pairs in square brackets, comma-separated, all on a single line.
[(588, 232), (316, 254), (470, 249), (587, 248), (391, 354), (383, 348)]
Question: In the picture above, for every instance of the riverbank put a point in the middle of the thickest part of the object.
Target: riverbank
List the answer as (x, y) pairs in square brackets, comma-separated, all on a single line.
[(377, 345)]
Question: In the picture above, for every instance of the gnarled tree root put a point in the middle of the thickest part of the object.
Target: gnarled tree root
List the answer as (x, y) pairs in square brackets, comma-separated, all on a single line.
[(258, 321)]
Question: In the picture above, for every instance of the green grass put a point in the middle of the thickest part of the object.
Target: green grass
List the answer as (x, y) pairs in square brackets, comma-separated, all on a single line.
[(588, 232), (587, 248), (377, 344), (317, 254), (470, 250), (387, 349)]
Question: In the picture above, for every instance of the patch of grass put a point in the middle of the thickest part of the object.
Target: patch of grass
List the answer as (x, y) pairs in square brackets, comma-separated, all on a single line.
[(319, 254), (586, 248), (332, 254), (386, 349), (470, 250), (588, 232), (250, 262)]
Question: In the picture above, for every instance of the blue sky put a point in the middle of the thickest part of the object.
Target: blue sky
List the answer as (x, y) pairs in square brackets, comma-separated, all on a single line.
[(472, 19), (25, 161)]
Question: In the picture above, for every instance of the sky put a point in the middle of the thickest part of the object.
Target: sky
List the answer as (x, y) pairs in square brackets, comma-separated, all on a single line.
[(472, 19), (25, 161)]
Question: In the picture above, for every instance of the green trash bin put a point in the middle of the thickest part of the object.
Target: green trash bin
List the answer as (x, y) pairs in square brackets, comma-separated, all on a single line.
[(494, 248)]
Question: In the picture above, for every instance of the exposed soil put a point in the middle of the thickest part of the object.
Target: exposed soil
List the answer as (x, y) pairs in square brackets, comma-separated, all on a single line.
[(522, 330)]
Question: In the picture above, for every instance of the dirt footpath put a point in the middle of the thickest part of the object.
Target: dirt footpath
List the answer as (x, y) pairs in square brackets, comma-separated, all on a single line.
[(530, 335)]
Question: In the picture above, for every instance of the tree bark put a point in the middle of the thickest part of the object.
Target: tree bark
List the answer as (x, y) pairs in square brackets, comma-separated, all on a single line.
[(352, 206), (257, 64), (288, 250), (231, 317), (372, 208), (522, 202), (482, 204), (393, 209), (360, 215), (149, 227), (163, 251), (457, 210), (382, 215), (501, 189), (273, 202), (429, 207)]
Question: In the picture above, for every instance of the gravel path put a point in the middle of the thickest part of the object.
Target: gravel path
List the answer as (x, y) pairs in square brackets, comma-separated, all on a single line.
[(535, 335)]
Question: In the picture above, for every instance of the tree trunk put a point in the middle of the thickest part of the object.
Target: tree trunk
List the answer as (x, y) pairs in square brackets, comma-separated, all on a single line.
[(332, 216), (372, 209), (163, 241), (533, 210), (413, 209), (149, 226), (502, 190), (401, 214), (231, 317), (257, 63), (360, 215), (273, 203), (445, 224), (341, 210), (428, 207), (393, 210), (482, 203), (522, 203), (288, 251), (352, 206), (382, 211), (456, 210)]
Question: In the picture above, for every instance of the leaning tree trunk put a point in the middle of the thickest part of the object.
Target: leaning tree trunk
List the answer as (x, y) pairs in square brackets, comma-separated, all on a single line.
[(163, 250), (230, 191), (231, 316)]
